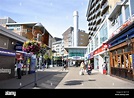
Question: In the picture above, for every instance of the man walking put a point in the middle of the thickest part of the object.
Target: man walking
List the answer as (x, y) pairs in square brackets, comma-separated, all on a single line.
[(19, 66)]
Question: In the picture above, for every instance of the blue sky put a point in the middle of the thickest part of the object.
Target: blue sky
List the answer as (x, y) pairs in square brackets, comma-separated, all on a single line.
[(55, 15)]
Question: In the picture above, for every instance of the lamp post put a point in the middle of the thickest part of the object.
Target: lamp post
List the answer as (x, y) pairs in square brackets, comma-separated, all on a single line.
[(53, 51), (62, 60), (37, 38)]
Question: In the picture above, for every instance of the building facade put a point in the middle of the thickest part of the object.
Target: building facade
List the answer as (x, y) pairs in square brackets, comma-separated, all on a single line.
[(121, 40), (118, 14), (5, 20), (74, 53), (8, 54), (31, 31)]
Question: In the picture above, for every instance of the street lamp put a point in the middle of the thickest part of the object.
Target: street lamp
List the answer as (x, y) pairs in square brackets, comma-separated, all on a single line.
[(37, 38), (37, 35), (62, 60)]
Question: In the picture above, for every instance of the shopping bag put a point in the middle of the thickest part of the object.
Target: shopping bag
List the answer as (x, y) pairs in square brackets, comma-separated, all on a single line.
[(81, 72)]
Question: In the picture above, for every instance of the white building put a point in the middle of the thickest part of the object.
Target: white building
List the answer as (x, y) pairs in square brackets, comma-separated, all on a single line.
[(119, 14)]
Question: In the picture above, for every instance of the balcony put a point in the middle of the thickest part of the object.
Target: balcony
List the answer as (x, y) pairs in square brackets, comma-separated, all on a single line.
[(105, 8), (97, 1), (94, 29), (98, 20), (97, 6), (93, 16), (98, 13), (103, 2), (94, 22)]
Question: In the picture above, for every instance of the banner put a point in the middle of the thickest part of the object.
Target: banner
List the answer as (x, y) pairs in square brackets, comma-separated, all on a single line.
[(32, 64), (133, 61)]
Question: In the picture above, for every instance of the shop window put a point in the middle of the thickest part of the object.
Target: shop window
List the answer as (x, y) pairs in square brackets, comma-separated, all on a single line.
[(128, 60), (127, 49), (115, 61), (113, 52), (120, 51), (122, 61), (119, 61)]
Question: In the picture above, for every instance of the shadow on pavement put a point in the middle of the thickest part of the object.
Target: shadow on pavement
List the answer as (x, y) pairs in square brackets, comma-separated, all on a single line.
[(94, 73), (73, 82), (92, 80)]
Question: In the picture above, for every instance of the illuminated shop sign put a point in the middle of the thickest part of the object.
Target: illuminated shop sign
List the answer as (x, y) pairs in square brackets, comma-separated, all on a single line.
[(18, 47), (76, 57), (5, 52)]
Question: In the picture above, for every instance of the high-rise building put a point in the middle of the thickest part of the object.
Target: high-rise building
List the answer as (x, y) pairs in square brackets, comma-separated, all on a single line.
[(96, 13), (111, 39), (75, 42)]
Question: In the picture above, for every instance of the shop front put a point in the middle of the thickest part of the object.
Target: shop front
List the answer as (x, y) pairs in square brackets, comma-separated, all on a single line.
[(91, 60), (76, 55), (101, 55), (121, 48), (26, 59)]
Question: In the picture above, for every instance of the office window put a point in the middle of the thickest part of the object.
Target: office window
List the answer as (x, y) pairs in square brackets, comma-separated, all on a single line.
[(103, 33), (96, 41), (127, 11)]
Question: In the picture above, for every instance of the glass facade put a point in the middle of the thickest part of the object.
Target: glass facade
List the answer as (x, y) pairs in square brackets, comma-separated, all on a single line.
[(77, 52), (92, 45), (96, 41), (103, 33), (120, 19), (127, 12)]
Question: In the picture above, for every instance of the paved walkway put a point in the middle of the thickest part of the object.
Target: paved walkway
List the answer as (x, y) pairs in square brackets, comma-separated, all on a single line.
[(27, 80), (94, 81), (73, 80)]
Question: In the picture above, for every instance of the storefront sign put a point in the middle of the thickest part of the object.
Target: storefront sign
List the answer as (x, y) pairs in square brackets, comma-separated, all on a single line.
[(126, 24), (5, 52), (101, 49), (76, 57), (18, 47)]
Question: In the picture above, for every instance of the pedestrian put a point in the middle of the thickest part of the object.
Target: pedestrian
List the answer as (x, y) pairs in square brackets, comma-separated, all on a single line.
[(82, 68), (19, 67), (104, 68)]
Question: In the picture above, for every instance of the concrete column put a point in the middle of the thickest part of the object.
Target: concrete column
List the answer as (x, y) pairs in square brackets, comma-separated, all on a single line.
[(123, 14), (75, 17)]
